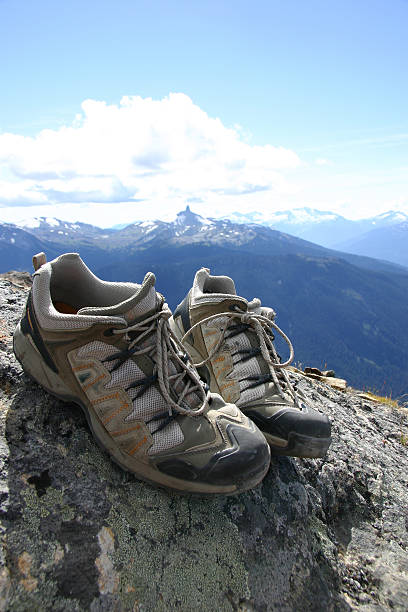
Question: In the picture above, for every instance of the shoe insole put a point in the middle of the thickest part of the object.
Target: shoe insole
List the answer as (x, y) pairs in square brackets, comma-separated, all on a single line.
[(65, 308)]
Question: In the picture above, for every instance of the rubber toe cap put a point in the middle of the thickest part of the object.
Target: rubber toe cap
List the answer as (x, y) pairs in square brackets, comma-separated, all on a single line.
[(243, 463), (248, 457), (306, 422)]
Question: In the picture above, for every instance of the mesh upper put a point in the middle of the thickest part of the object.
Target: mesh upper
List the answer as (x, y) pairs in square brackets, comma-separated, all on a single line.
[(242, 369), (146, 304), (149, 404), (98, 349)]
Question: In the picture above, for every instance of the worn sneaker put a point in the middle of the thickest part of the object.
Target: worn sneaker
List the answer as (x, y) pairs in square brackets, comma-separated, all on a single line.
[(108, 348), (231, 343)]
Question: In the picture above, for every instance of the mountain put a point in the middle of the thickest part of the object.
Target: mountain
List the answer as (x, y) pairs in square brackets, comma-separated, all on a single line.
[(55, 237), (321, 227), (343, 311), (190, 228), (64, 232), (17, 247), (187, 228), (326, 228), (389, 242)]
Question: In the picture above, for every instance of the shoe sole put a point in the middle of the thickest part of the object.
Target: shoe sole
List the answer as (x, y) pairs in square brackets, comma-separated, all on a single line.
[(26, 353), (297, 445)]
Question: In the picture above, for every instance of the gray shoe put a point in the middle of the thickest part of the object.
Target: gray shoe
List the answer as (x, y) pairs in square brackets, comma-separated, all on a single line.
[(231, 343), (108, 347)]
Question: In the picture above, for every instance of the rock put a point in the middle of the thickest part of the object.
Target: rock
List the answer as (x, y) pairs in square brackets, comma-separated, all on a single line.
[(368, 396), (329, 373), (315, 371), (80, 534), (21, 280), (336, 383)]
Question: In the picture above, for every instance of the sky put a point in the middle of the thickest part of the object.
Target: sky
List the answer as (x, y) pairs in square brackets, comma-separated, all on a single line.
[(112, 112)]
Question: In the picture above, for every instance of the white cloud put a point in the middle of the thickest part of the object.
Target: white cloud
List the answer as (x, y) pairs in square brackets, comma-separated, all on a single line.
[(21, 193), (145, 158), (141, 149)]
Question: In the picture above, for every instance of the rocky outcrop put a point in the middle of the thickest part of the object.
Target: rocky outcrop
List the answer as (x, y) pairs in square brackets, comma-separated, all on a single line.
[(78, 533)]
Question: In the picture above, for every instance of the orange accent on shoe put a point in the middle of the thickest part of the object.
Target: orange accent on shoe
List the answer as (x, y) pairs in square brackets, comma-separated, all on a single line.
[(212, 345), (227, 385), (138, 445), (110, 417), (124, 431), (99, 400), (93, 381), (219, 359), (223, 369), (83, 367), (29, 319), (210, 332)]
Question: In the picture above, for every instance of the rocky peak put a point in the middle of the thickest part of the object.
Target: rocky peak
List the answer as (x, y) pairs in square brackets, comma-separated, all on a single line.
[(188, 221)]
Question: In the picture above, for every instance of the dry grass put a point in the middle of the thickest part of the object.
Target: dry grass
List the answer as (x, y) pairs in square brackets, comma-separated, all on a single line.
[(383, 399)]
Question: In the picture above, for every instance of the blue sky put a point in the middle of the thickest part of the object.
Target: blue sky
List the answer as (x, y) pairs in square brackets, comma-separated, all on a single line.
[(311, 99)]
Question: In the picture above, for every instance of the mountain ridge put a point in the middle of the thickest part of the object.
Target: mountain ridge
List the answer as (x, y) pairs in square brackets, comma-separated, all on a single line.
[(187, 227), (324, 227)]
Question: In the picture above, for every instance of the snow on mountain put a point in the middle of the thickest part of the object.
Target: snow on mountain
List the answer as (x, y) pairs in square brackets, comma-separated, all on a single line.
[(187, 220), (35, 222), (321, 227), (297, 216), (251, 217), (301, 216), (149, 226), (189, 223), (64, 233), (388, 218)]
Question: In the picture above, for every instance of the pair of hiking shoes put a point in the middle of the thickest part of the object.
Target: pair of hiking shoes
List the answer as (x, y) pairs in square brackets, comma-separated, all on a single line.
[(116, 350)]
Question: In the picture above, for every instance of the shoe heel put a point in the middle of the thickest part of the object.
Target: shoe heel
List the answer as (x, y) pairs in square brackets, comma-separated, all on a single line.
[(33, 364)]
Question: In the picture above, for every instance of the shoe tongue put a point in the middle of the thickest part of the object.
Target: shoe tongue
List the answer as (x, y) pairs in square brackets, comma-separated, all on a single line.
[(255, 306), (142, 302)]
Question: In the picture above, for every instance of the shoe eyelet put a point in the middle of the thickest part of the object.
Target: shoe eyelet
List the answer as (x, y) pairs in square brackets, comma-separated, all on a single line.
[(108, 332)]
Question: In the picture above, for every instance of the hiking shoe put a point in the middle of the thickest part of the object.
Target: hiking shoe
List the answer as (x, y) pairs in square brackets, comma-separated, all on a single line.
[(231, 342), (108, 348)]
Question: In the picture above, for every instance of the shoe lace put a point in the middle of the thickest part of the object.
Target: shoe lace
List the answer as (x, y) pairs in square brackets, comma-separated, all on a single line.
[(175, 387), (262, 323)]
